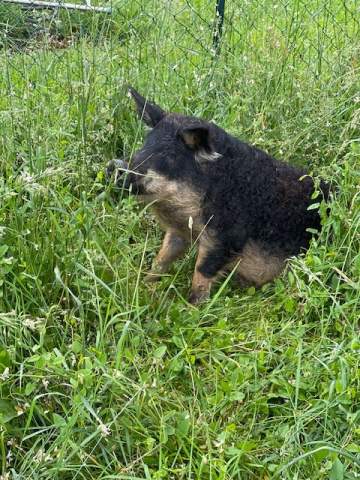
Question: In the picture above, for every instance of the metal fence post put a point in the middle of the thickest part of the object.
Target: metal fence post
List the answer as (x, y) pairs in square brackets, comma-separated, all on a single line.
[(218, 24)]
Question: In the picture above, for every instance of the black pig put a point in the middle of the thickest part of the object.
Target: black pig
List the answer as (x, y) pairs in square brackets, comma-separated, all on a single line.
[(245, 209)]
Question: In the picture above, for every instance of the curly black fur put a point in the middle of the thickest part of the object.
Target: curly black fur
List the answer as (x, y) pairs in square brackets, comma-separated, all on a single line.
[(246, 195)]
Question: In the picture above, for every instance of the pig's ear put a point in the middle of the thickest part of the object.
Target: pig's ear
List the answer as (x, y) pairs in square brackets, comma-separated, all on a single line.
[(150, 113), (197, 138)]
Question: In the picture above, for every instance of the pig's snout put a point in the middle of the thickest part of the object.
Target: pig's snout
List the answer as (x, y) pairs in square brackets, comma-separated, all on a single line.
[(115, 169)]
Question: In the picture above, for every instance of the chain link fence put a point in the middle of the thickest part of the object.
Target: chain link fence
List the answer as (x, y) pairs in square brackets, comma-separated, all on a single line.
[(312, 33), (258, 59), (304, 31)]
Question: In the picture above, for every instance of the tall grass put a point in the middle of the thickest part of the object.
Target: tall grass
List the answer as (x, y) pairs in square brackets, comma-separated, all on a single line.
[(104, 377)]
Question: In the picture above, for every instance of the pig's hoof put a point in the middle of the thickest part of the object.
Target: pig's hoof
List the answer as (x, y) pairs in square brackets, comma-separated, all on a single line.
[(152, 277), (197, 297)]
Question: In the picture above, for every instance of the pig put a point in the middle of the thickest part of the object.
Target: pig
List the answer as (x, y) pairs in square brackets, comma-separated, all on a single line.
[(246, 212)]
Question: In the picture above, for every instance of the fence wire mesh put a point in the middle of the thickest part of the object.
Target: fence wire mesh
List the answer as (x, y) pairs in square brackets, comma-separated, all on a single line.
[(261, 66), (310, 32)]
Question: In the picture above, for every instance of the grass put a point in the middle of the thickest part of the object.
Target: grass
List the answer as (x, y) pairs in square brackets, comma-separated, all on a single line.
[(104, 377)]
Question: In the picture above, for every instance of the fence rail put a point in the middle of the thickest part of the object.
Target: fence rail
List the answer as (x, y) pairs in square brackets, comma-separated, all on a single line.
[(55, 5)]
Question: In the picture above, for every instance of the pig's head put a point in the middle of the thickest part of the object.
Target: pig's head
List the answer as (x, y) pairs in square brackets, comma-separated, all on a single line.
[(176, 148)]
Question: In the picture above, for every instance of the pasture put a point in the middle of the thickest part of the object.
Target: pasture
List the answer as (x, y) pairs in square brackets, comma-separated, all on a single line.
[(105, 377)]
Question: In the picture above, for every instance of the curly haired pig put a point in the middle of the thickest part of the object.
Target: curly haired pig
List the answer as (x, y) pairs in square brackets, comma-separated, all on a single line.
[(245, 209)]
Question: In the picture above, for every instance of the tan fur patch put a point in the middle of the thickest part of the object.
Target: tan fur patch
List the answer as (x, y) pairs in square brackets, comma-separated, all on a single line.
[(174, 203), (257, 266)]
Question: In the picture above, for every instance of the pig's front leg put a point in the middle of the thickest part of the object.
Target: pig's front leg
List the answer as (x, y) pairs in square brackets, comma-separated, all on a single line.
[(211, 262), (173, 247)]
